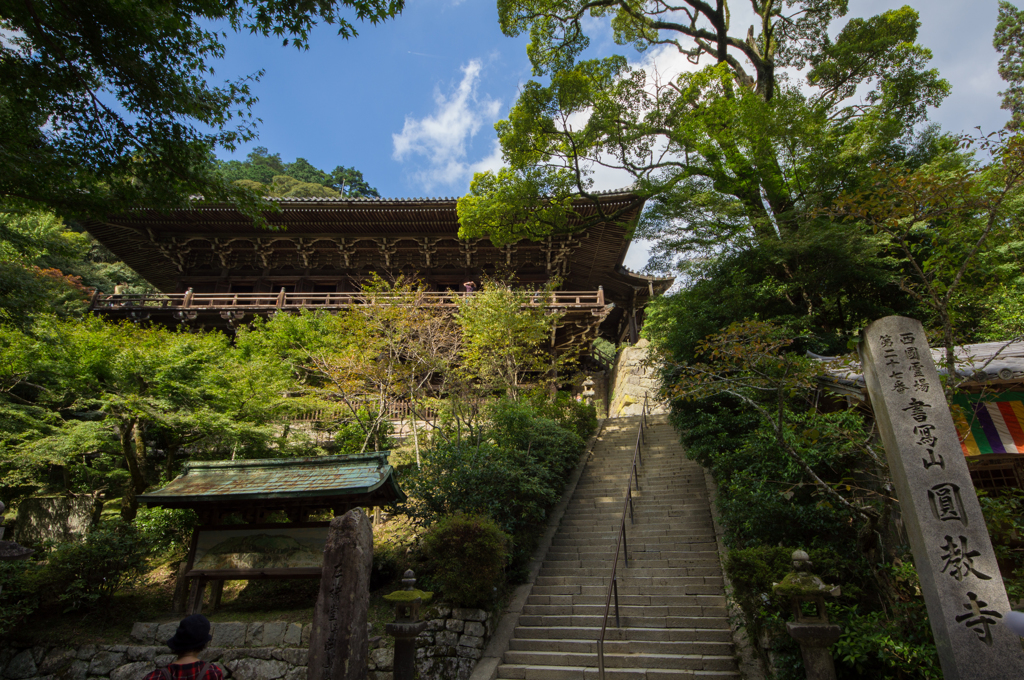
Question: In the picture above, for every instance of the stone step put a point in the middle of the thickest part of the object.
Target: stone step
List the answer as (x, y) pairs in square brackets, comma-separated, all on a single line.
[(631, 572), (672, 605), (639, 585), (595, 621), (644, 610), (626, 660), (635, 561), (723, 635), (576, 597), (718, 648), (601, 590), (522, 672), (589, 552)]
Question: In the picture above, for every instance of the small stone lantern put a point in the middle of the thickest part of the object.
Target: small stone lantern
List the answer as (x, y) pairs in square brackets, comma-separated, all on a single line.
[(588, 391), (407, 625), (812, 631)]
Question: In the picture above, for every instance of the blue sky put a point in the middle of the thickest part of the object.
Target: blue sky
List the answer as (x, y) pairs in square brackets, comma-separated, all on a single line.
[(412, 102)]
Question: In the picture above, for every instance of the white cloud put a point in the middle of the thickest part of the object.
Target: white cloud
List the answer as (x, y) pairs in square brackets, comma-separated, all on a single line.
[(442, 138)]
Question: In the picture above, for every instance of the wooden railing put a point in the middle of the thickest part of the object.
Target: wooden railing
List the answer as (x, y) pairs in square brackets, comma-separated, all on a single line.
[(621, 545), (256, 302)]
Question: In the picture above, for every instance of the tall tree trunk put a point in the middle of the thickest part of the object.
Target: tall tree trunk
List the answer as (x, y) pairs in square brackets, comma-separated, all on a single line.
[(133, 448)]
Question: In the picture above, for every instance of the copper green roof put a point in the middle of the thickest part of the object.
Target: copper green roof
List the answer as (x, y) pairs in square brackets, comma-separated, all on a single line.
[(323, 479)]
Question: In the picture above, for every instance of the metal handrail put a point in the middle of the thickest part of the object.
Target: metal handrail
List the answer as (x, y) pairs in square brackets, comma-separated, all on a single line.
[(621, 544)]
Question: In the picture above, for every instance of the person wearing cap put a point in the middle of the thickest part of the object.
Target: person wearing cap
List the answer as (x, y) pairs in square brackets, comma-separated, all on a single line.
[(189, 640)]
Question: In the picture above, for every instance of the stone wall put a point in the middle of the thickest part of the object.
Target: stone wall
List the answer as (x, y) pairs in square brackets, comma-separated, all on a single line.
[(634, 380), (447, 650), (58, 518), (450, 646)]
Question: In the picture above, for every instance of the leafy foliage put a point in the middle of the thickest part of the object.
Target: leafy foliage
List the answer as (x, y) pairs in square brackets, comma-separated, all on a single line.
[(106, 106), (101, 399), (1004, 518), (1009, 41), (514, 474), (466, 557), (47, 268), (895, 642), (81, 573), (268, 175), (729, 152), (18, 595)]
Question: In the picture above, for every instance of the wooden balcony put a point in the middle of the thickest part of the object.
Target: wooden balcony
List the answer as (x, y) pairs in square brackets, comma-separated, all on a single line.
[(581, 311)]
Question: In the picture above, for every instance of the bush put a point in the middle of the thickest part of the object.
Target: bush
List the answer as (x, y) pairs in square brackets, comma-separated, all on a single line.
[(509, 486), (106, 561), (877, 645), (553, 445), (514, 475), (570, 414), (350, 436), (166, 528), (465, 559), (18, 598)]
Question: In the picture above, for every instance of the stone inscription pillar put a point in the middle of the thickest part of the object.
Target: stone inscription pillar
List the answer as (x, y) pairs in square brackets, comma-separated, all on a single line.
[(338, 641), (953, 554)]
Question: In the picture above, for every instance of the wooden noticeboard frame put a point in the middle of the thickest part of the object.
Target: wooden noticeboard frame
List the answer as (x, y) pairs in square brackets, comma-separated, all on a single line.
[(278, 570), (200, 576)]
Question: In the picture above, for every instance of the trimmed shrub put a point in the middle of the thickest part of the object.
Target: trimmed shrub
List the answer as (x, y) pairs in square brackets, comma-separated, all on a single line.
[(465, 558)]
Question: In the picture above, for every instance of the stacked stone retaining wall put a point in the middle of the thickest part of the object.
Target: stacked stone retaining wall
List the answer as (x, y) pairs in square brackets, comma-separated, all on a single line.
[(447, 650), (635, 379)]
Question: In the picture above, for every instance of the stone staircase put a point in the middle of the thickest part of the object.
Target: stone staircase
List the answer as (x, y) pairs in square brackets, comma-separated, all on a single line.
[(671, 597)]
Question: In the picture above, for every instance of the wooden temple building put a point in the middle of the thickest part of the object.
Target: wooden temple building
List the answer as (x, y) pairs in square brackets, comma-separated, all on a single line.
[(214, 268)]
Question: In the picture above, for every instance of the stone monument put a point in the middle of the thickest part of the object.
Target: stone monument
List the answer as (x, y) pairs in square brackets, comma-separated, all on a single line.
[(338, 643), (953, 554)]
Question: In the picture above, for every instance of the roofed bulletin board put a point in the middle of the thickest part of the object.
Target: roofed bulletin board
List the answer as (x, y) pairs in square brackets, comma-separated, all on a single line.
[(990, 424)]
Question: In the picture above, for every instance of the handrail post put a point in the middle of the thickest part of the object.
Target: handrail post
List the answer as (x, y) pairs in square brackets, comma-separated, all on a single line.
[(625, 546), (615, 586)]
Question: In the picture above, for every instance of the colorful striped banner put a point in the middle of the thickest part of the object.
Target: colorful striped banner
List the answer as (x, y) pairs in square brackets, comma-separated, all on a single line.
[(992, 426)]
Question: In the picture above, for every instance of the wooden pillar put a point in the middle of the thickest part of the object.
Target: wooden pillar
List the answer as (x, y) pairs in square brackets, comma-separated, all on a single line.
[(180, 598), (216, 590), (195, 595)]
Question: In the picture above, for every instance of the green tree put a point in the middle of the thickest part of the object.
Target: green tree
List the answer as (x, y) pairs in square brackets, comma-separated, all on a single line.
[(267, 175), (1009, 42), (507, 337), (70, 388), (285, 186), (350, 182), (953, 222), (106, 105), (259, 166), (734, 148)]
